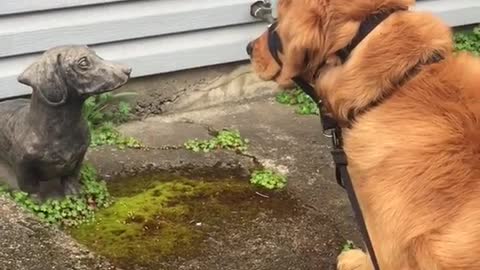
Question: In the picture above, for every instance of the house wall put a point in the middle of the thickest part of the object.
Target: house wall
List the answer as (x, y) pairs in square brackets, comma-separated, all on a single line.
[(152, 36)]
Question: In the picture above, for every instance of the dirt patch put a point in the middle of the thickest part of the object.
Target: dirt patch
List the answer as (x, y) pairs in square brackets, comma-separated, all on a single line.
[(196, 89)]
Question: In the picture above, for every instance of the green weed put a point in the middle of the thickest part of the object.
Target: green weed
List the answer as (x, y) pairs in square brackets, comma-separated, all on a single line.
[(268, 179), (107, 107), (106, 134), (72, 210), (102, 113), (348, 246), (225, 139), (296, 97), (468, 41)]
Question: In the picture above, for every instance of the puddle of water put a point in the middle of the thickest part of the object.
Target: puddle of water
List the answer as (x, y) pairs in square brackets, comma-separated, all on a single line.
[(162, 216)]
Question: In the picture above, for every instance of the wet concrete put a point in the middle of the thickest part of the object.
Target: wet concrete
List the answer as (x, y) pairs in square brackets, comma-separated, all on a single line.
[(279, 138), (292, 144)]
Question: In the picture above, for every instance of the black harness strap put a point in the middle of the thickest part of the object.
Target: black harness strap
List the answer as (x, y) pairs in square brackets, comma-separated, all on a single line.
[(274, 43), (328, 123), (366, 27)]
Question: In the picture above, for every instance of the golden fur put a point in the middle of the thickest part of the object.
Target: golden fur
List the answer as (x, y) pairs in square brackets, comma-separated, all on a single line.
[(415, 158)]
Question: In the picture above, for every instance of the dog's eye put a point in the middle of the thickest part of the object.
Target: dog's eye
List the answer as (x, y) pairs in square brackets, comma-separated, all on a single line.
[(83, 63)]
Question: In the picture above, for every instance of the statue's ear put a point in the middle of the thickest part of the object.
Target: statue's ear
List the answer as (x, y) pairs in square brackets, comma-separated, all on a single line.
[(28, 75), (45, 77)]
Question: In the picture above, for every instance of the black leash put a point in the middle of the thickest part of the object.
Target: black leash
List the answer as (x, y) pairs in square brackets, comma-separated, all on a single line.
[(344, 180)]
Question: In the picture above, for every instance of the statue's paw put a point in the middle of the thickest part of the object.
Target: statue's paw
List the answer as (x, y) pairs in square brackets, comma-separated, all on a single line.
[(72, 187), (37, 198)]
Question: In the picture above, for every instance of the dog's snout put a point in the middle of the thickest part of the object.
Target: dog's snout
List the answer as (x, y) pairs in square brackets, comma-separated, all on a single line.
[(250, 48)]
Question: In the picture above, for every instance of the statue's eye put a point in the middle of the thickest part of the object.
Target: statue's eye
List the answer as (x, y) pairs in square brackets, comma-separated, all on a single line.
[(83, 63)]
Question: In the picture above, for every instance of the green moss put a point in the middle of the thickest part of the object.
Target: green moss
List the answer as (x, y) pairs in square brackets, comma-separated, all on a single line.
[(157, 217)]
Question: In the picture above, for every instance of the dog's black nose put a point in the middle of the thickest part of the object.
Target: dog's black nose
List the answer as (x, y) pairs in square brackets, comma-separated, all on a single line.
[(250, 48)]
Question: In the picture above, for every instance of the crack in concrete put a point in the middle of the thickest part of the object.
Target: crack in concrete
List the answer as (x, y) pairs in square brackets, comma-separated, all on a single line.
[(163, 102), (175, 97), (212, 132), (255, 160)]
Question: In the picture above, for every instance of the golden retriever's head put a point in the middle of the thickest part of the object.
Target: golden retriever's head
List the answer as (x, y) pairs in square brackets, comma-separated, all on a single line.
[(310, 32)]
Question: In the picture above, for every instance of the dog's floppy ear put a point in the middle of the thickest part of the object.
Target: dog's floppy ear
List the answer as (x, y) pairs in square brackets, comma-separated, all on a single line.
[(304, 40), (46, 78), (294, 63)]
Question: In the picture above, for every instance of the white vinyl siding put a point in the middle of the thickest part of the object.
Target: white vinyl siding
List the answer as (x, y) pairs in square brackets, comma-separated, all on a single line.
[(152, 36)]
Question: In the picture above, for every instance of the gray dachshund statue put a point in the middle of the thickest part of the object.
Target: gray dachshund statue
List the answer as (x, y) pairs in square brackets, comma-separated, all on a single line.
[(44, 140)]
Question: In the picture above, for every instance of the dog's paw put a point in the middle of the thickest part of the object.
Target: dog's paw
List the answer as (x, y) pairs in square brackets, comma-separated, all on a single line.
[(352, 259)]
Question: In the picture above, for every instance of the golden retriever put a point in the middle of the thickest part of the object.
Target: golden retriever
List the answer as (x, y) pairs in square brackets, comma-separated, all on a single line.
[(414, 158)]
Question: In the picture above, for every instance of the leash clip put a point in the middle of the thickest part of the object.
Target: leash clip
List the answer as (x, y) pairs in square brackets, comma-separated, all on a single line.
[(337, 141), (262, 10)]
